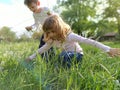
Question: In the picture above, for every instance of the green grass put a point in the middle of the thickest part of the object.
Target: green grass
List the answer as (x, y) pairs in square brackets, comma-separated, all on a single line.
[(97, 72)]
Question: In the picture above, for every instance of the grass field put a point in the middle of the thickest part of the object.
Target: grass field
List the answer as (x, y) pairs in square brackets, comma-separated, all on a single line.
[(97, 72)]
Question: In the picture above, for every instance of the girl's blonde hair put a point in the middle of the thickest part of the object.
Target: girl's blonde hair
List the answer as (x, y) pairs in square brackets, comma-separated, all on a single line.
[(56, 24)]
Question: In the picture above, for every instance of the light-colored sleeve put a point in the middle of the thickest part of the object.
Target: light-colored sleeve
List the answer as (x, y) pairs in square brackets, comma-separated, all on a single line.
[(47, 10), (80, 39), (41, 50), (35, 25)]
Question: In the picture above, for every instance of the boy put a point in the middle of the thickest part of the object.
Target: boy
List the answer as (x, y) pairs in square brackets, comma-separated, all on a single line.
[(39, 14)]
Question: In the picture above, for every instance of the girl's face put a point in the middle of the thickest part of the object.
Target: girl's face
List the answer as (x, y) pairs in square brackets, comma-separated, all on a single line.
[(52, 35), (33, 7)]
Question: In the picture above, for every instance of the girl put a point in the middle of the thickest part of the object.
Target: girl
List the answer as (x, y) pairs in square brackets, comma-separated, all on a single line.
[(58, 33)]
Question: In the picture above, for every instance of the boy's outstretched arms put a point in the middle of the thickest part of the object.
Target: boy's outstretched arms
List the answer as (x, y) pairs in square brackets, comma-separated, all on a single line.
[(114, 52)]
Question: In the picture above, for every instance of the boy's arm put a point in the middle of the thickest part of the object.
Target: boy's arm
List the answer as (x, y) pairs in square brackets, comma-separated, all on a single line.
[(35, 22), (33, 26), (29, 28)]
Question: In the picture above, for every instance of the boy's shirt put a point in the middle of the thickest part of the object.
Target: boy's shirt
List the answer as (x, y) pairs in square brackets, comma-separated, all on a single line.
[(39, 18)]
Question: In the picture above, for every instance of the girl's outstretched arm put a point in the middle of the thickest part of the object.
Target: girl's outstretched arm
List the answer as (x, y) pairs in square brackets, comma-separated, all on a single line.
[(41, 50), (111, 51), (114, 52)]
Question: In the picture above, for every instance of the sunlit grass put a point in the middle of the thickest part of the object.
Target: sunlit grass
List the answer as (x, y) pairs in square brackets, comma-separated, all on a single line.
[(98, 71)]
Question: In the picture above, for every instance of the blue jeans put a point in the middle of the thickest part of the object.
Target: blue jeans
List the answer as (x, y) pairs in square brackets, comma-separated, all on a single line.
[(49, 54), (67, 58)]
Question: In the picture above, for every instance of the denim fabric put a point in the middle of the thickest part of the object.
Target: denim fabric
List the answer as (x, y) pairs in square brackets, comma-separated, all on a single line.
[(49, 54), (66, 58)]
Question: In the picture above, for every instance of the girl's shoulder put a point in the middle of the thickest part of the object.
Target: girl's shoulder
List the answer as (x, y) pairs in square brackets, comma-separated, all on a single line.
[(71, 34)]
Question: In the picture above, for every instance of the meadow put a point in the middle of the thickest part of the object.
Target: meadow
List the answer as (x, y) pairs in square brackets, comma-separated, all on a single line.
[(98, 71)]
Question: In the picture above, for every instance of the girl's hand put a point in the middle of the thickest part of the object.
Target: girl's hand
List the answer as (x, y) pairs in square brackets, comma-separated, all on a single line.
[(114, 52), (28, 59)]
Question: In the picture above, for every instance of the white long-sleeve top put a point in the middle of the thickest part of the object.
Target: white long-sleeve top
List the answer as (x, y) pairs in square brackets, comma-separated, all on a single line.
[(39, 18), (71, 44)]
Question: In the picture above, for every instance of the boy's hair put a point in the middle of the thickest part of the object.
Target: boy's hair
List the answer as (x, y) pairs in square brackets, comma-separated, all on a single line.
[(56, 24), (28, 2)]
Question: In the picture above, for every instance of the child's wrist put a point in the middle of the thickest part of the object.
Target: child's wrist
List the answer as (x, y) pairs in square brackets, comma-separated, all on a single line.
[(32, 26), (32, 56), (107, 50)]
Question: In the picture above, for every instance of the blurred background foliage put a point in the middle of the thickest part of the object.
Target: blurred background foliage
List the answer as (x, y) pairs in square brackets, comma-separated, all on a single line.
[(89, 18)]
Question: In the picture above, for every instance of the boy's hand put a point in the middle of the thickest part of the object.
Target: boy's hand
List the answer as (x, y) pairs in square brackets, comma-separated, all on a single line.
[(114, 52), (28, 28)]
